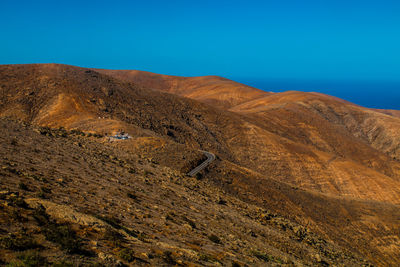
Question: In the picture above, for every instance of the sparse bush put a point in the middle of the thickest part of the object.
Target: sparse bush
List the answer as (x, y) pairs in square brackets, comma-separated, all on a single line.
[(22, 186), (16, 215), (130, 232), (43, 192), (113, 236), (221, 201), (45, 189), (142, 237), (206, 257), (170, 216), (64, 236), (78, 132), (40, 215), (114, 222), (29, 259), (214, 239), (262, 256), (42, 195), (167, 257), (61, 234), (18, 242), (18, 202), (14, 142), (126, 254), (190, 222), (131, 195)]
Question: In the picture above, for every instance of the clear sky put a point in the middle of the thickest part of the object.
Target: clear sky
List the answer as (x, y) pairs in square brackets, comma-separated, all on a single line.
[(307, 40)]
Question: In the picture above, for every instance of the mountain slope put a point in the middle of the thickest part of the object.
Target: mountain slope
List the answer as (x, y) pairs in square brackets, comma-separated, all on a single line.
[(308, 139), (379, 131), (118, 207), (303, 156), (212, 90)]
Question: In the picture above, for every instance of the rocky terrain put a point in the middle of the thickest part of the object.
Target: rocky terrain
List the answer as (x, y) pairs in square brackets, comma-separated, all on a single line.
[(312, 140), (301, 179), (76, 199)]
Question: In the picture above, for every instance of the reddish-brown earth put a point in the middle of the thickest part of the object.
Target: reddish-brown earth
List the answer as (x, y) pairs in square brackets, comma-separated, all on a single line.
[(315, 161)]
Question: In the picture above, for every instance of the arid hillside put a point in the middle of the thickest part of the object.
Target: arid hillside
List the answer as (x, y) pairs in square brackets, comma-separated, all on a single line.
[(213, 90), (391, 112), (306, 164), (315, 141), (378, 130), (70, 198)]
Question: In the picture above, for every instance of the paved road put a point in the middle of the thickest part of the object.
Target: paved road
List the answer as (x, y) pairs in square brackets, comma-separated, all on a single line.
[(210, 158)]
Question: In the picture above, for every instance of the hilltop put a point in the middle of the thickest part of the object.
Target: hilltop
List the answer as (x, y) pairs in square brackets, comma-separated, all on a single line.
[(300, 178), (214, 90)]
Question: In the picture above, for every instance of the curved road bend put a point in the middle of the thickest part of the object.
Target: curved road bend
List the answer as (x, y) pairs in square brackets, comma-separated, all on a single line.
[(210, 158)]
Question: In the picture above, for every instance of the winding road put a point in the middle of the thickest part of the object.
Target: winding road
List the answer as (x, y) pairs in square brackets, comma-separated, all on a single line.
[(210, 158)]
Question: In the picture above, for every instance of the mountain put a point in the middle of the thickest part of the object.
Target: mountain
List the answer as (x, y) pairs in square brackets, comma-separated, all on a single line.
[(213, 90), (391, 112), (300, 137), (300, 178)]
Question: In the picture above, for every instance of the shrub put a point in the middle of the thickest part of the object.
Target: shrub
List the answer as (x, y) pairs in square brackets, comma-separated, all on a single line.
[(45, 189), (126, 254), (214, 239), (16, 215), (22, 186), (61, 234), (169, 216), (29, 259), (131, 195), (113, 236), (167, 257), (190, 222), (263, 256), (41, 195), (18, 242), (40, 215), (64, 236), (114, 222), (18, 202), (208, 258), (221, 201)]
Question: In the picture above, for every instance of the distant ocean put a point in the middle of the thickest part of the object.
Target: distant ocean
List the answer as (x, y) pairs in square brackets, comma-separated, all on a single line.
[(383, 95)]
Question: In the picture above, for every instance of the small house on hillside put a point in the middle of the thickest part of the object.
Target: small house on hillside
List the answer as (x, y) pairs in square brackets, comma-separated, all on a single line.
[(120, 136)]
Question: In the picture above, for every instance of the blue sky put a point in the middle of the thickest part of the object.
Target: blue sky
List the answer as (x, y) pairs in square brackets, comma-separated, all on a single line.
[(243, 40)]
